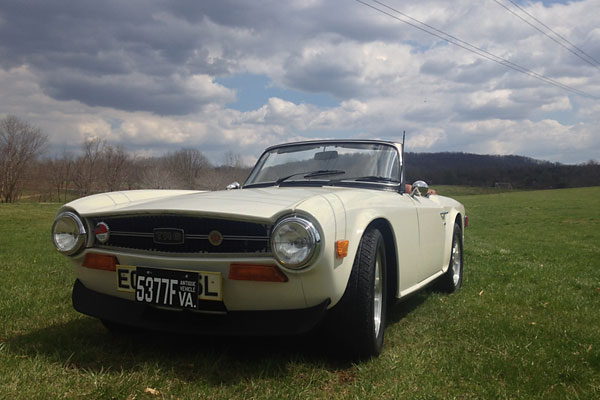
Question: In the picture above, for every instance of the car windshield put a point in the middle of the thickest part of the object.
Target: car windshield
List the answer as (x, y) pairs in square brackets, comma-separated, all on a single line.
[(329, 162)]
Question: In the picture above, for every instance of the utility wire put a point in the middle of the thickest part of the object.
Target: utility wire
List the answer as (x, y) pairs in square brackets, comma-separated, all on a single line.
[(477, 50), (587, 60), (556, 33), (469, 47)]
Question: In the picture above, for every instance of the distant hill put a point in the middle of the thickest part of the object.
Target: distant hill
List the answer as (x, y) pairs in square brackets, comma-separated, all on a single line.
[(492, 170)]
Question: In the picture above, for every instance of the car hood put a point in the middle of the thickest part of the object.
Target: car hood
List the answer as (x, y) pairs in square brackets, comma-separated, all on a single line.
[(253, 203)]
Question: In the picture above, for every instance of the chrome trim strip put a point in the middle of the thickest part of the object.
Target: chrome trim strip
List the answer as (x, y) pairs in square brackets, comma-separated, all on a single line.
[(230, 237), (135, 234), (196, 237), (233, 256)]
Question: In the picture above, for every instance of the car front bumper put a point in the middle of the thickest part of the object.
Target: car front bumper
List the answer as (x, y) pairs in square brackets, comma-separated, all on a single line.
[(259, 323)]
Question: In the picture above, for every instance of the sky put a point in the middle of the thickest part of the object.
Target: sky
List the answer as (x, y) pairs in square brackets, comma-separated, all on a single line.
[(222, 76)]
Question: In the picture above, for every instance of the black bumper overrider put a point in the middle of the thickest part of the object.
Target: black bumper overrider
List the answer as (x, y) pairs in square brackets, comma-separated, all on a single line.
[(277, 322)]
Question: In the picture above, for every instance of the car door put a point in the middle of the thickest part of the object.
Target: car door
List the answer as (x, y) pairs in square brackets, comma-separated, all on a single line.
[(431, 221)]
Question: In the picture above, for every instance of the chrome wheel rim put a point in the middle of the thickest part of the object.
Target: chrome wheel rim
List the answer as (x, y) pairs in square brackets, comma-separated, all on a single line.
[(456, 262), (377, 295)]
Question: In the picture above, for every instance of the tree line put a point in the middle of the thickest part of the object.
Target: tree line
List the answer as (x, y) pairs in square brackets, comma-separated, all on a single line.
[(516, 172), (27, 172)]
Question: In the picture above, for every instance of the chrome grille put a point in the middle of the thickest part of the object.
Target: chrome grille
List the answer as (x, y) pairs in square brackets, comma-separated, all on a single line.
[(137, 232)]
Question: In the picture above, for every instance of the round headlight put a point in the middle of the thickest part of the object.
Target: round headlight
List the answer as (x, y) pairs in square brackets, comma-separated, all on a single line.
[(68, 233), (295, 241)]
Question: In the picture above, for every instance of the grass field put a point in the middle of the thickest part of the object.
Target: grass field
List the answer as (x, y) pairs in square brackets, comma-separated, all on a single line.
[(452, 191), (525, 325)]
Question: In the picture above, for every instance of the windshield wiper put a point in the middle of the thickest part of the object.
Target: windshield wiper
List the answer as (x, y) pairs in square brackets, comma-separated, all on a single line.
[(370, 178), (312, 174)]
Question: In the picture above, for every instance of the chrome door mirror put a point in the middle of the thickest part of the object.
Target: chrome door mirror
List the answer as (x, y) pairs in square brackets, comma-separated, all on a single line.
[(234, 185), (419, 187)]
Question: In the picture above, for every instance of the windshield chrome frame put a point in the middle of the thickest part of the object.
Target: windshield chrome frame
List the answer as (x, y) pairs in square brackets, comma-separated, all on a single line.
[(399, 187)]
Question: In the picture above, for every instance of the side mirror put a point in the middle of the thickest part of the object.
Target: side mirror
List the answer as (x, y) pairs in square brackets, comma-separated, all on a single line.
[(419, 187), (234, 185)]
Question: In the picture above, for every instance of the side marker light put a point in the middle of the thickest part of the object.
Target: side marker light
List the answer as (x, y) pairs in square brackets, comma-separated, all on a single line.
[(341, 248)]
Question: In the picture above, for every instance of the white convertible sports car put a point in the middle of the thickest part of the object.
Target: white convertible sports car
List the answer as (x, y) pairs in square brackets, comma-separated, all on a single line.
[(321, 231)]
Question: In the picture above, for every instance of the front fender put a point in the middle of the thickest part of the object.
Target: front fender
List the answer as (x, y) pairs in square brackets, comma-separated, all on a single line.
[(330, 275), (456, 212)]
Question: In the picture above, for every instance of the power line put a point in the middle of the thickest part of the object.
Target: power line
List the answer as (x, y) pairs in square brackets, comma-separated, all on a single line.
[(556, 33), (469, 47), (474, 49), (587, 60)]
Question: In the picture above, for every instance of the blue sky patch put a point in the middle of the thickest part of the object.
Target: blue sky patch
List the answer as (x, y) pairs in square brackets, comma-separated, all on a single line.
[(253, 91)]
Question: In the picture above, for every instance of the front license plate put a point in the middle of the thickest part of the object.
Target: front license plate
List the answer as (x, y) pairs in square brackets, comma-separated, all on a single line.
[(174, 288)]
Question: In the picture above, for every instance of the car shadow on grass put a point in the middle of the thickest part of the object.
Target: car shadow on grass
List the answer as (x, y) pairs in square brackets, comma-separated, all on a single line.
[(406, 306), (83, 343)]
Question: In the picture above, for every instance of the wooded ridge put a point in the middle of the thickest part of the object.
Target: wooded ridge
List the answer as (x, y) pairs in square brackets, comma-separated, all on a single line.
[(508, 171), (25, 172)]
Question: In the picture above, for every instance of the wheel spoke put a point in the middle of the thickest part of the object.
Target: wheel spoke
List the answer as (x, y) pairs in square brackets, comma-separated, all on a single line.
[(377, 295), (456, 263)]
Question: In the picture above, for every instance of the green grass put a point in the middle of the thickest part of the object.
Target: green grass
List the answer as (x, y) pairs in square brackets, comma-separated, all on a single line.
[(452, 191), (37, 196), (525, 325)]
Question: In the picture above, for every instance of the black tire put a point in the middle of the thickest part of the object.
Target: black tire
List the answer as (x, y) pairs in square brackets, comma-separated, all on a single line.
[(357, 322), (451, 281)]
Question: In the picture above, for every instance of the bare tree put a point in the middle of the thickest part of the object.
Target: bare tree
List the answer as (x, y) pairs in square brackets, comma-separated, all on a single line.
[(134, 172), (20, 145), (86, 169), (232, 159), (156, 174), (57, 172), (66, 172), (116, 165), (187, 165)]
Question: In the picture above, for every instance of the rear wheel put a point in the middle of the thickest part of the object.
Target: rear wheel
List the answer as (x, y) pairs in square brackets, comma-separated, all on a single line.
[(358, 320)]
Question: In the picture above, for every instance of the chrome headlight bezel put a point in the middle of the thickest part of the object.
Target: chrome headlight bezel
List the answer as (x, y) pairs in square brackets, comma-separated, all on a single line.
[(72, 229), (294, 257)]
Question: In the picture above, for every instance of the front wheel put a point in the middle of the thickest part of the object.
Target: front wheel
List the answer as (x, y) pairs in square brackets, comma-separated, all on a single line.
[(358, 320), (452, 279)]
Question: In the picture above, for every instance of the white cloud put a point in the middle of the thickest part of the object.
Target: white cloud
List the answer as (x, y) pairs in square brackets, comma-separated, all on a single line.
[(144, 75), (560, 104)]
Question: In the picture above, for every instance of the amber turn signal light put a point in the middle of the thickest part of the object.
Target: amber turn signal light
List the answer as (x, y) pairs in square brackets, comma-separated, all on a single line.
[(255, 272), (341, 248), (100, 261)]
